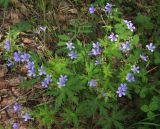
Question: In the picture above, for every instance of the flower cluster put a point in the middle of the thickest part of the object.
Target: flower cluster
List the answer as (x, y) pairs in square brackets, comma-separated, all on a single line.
[(70, 47), (107, 8), (96, 49), (17, 108), (30, 65)]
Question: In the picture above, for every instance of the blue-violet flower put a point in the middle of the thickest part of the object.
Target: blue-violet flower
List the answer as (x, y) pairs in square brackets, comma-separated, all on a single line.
[(72, 55), (151, 47), (130, 77), (108, 8), (62, 81), (135, 69), (92, 82), (17, 56), (122, 90), (113, 37), (7, 45), (91, 9)]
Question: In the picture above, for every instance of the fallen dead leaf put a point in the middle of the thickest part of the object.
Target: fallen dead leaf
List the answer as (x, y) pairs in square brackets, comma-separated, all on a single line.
[(27, 40), (14, 81), (7, 101), (14, 17), (73, 11), (3, 70), (3, 84)]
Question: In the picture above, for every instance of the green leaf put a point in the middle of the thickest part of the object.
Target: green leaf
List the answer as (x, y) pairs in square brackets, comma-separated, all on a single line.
[(4, 3), (135, 40), (144, 21), (153, 106), (44, 114), (1, 127), (64, 37), (70, 117), (156, 58), (29, 83), (20, 27), (150, 115), (145, 108)]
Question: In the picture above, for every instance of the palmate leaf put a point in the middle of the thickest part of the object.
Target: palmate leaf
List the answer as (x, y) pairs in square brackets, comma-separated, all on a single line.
[(89, 106), (70, 117), (44, 114), (144, 22), (107, 70), (66, 95), (60, 99), (20, 27)]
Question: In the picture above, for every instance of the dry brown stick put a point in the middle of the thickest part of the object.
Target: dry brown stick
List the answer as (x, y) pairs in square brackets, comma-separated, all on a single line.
[(152, 69)]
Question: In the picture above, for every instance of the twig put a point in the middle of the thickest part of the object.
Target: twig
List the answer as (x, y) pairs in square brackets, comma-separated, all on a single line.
[(152, 69)]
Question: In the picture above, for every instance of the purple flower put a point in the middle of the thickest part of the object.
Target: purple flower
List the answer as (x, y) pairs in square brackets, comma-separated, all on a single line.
[(104, 94), (72, 55), (129, 25), (32, 72), (25, 57), (62, 81), (17, 107), (113, 37), (30, 65), (130, 77), (144, 58), (17, 56), (42, 71), (10, 63), (43, 28), (92, 82), (96, 45), (48, 78), (125, 47), (27, 117), (7, 45), (97, 62), (70, 45), (44, 83), (151, 47), (96, 52), (108, 8), (91, 9), (15, 126), (96, 49), (122, 90), (135, 69)]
